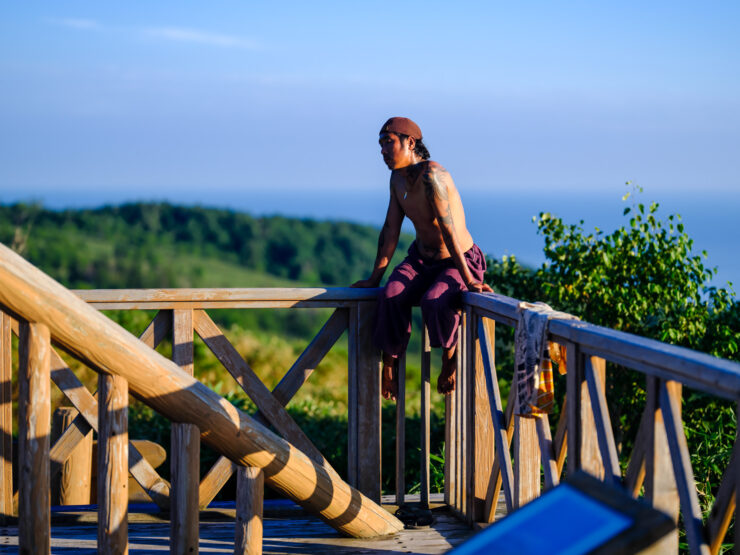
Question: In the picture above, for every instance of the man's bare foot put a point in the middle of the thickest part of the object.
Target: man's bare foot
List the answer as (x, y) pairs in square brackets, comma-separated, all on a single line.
[(447, 377), (389, 382)]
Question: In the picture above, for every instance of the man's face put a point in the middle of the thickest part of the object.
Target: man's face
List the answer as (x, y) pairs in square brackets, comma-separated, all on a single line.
[(396, 153)]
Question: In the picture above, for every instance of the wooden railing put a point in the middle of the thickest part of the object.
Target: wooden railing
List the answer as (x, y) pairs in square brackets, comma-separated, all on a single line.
[(488, 449), (659, 467), (42, 312)]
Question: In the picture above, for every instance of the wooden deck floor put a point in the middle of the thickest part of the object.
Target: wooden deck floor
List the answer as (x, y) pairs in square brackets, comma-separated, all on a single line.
[(290, 531)]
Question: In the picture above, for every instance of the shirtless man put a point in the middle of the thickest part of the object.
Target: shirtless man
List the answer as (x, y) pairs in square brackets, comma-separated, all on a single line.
[(442, 262)]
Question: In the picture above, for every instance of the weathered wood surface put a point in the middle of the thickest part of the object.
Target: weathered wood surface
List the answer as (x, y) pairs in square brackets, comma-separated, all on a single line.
[(401, 430), (34, 428), (109, 299), (250, 491), (273, 411), (185, 451), (6, 418), (92, 337), (281, 535), (71, 486), (692, 368), (365, 364), (214, 480), (113, 464), (426, 401), (305, 364)]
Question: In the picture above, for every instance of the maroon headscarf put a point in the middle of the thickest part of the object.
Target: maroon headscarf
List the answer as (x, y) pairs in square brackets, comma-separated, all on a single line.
[(401, 126)]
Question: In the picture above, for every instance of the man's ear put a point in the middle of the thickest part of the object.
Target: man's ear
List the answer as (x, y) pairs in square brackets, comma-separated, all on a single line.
[(412, 143)]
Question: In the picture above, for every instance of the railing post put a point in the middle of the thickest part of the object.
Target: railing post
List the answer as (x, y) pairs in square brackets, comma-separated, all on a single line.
[(660, 483), (185, 461), (364, 366), (575, 380), (71, 486), (426, 388), (112, 464), (250, 488), (591, 460), (6, 418), (34, 408), (461, 406), (401, 431), (482, 437)]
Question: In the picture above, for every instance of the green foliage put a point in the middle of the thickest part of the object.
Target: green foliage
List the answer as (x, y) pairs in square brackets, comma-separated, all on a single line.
[(642, 278)]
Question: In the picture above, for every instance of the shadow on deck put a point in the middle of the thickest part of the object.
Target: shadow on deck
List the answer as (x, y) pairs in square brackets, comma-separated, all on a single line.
[(287, 529)]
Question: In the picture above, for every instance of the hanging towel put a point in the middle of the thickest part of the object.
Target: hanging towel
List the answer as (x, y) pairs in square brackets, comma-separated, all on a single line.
[(533, 367)]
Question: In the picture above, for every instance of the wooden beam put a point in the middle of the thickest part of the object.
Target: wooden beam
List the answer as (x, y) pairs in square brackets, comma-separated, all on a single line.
[(84, 401), (304, 366), (214, 481), (185, 452), (483, 434), (401, 431), (160, 383), (527, 460), (550, 470), (6, 418), (368, 404), (670, 400), (34, 419), (253, 386), (602, 421), (113, 464), (72, 485), (574, 380), (426, 392), (725, 503), (250, 487), (497, 476)]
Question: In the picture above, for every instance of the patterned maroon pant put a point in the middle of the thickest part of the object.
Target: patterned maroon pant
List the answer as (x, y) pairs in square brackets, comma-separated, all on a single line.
[(436, 286)]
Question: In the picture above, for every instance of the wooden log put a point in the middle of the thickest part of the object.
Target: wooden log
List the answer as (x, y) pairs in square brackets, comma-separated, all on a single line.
[(401, 431), (214, 481), (112, 464), (462, 432), (483, 433), (34, 417), (185, 451), (635, 475), (670, 406), (305, 364), (250, 487), (368, 405), (71, 486), (426, 392), (660, 484), (159, 382), (6, 418)]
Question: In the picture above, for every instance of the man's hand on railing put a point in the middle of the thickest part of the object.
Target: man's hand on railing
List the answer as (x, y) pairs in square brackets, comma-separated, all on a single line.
[(475, 287)]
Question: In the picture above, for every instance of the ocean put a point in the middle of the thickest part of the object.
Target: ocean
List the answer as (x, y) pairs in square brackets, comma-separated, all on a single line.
[(500, 221)]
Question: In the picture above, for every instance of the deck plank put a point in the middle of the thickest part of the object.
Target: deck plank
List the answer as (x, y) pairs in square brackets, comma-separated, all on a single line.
[(299, 533)]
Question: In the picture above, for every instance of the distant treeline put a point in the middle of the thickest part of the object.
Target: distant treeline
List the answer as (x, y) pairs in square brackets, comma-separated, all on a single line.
[(162, 245)]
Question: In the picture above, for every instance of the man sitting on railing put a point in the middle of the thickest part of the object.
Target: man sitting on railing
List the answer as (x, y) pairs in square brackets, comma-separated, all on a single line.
[(442, 262)]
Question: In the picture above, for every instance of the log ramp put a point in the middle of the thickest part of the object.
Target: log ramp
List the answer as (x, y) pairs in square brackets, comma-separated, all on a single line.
[(160, 383)]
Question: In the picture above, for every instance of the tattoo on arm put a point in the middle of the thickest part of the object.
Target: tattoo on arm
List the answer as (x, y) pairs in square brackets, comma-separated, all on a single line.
[(435, 186)]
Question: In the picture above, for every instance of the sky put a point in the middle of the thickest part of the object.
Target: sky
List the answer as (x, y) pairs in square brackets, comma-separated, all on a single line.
[(199, 100)]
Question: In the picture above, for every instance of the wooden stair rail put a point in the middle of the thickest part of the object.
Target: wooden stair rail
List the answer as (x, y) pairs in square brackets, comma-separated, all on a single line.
[(87, 334)]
